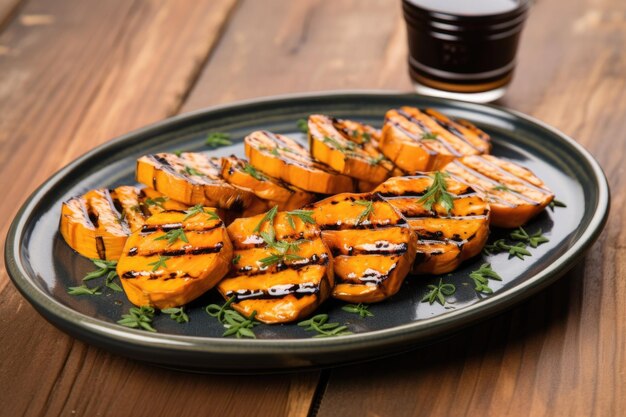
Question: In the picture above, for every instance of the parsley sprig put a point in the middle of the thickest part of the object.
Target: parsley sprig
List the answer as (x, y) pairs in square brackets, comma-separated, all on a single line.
[(235, 323), (217, 139), (139, 318), (177, 314), (482, 276), (105, 269), (199, 209), (173, 235), (319, 324), (84, 290), (367, 211), (159, 263), (303, 125), (519, 249), (438, 193), (284, 250), (361, 309), (253, 172), (306, 216), (439, 292)]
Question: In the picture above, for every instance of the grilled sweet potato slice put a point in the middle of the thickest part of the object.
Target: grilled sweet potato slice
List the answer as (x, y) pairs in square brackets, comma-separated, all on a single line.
[(281, 157), (333, 147), (278, 193), (445, 238), (415, 141), (97, 224), (192, 178), (282, 269), (514, 193), (372, 245), (174, 258)]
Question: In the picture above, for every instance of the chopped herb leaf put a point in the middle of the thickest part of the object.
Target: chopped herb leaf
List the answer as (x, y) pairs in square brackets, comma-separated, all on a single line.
[(177, 314), (438, 193), (319, 324), (160, 263), (192, 171), (365, 214), (254, 173), (482, 276), (236, 259), (199, 209), (173, 235), (556, 203), (139, 318), (375, 160), (429, 136), (360, 309), (217, 139), (304, 215), (235, 323), (158, 201), (303, 125), (349, 146), (439, 292), (268, 217), (83, 290)]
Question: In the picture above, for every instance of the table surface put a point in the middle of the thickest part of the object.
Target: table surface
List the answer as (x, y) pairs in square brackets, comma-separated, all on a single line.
[(76, 73)]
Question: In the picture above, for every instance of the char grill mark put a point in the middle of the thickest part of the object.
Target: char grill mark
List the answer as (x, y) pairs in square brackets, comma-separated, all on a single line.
[(276, 292)]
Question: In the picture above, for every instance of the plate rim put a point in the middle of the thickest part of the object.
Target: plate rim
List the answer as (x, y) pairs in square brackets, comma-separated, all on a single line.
[(62, 315)]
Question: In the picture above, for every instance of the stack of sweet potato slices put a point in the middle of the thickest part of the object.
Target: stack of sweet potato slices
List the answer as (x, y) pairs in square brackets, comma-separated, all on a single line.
[(299, 230)]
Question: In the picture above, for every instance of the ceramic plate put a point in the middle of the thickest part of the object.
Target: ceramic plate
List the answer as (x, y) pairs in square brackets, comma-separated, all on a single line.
[(42, 266)]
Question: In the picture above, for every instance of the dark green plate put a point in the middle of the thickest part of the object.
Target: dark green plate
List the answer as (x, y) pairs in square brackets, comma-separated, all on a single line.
[(42, 266)]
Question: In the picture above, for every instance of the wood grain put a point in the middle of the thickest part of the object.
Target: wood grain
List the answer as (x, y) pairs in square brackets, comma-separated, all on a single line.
[(76, 74)]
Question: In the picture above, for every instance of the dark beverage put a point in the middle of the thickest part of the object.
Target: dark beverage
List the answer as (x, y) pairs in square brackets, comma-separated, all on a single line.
[(463, 48)]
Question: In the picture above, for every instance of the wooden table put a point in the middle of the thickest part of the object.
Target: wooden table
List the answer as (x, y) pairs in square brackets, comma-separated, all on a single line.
[(76, 73)]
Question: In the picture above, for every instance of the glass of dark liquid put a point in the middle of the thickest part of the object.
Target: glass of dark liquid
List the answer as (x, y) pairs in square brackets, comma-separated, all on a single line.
[(463, 49)]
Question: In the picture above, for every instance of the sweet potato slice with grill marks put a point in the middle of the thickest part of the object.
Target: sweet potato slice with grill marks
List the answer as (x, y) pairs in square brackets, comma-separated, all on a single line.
[(97, 224), (444, 238), (372, 245), (276, 192), (280, 287), (281, 157), (174, 258), (514, 193), (415, 141), (192, 178)]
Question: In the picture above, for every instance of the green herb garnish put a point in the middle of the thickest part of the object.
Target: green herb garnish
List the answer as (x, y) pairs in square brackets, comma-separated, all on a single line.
[(83, 290), (319, 324), (268, 217), (253, 172), (360, 309), (160, 263), (481, 278), (429, 136), (502, 187), (556, 203), (177, 314), (303, 125), (304, 215), (217, 139), (365, 214), (349, 146), (438, 193), (375, 160), (107, 269), (173, 235), (282, 248), (236, 259), (533, 240), (178, 153), (139, 318), (199, 209), (158, 201), (439, 292), (235, 323), (192, 171)]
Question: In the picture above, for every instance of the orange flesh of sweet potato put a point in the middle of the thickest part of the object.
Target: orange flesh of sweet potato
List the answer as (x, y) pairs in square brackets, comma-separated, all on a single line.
[(372, 245), (444, 239), (161, 273), (514, 193)]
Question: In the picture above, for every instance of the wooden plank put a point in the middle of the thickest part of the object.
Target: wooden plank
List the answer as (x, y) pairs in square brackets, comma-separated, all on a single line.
[(76, 73), (280, 46)]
